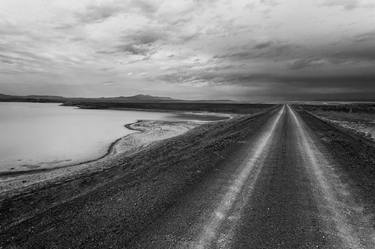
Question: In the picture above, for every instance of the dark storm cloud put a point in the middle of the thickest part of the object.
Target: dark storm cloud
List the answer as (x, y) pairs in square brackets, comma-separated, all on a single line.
[(263, 45), (145, 6), (269, 49), (12, 56), (368, 36), (346, 81), (349, 81), (356, 53), (141, 42), (348, 4), (298, 57), (305, 63), (133, 49), (312, 87), (98, 13), (144, 37), (7, 60), (12, 59), (330, 56), (270, 2)]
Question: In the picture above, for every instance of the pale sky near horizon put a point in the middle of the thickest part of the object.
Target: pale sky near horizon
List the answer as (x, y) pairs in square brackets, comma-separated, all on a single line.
[(192, 49)]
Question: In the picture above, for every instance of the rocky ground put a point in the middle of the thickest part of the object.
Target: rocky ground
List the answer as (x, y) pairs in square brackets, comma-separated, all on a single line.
[(362, 124)]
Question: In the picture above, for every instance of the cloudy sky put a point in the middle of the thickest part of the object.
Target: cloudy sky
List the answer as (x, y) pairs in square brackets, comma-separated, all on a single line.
[(192, 49)]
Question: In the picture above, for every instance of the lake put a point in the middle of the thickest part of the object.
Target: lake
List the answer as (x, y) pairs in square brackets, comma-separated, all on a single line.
[(50, 135)]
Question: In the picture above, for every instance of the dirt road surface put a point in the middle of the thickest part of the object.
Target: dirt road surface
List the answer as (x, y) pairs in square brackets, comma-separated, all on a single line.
[(285, 193)]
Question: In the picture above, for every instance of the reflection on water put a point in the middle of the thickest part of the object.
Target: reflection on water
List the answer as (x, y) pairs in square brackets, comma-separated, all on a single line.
[(34, 134)]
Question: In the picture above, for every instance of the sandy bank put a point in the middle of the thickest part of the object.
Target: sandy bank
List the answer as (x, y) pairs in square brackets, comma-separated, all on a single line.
[(148, 132)]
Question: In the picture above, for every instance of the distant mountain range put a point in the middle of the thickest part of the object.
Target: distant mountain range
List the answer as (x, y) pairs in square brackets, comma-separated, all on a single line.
[(140, 98), (59, 99)]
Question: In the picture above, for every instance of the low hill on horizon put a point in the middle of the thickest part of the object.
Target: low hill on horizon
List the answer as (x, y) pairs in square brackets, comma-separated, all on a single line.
[(139, 98)]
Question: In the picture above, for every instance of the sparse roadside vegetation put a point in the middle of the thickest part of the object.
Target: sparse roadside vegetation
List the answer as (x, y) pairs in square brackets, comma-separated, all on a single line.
[(353, 118)]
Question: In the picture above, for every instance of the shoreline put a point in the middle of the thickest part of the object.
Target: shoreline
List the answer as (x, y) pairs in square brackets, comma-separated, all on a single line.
[(41, 170), (111, 146), (109, 152), (152, 132), (147, 133), (129, 126)]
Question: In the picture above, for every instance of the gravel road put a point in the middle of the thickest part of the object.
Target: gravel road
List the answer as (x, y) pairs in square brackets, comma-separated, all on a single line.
[(285, 193)]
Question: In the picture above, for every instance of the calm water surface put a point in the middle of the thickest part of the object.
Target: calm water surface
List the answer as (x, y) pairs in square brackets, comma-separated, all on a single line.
[(48, 135)]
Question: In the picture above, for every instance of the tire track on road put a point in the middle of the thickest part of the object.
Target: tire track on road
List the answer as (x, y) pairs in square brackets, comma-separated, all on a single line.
[(343, 217), (211, 234)]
